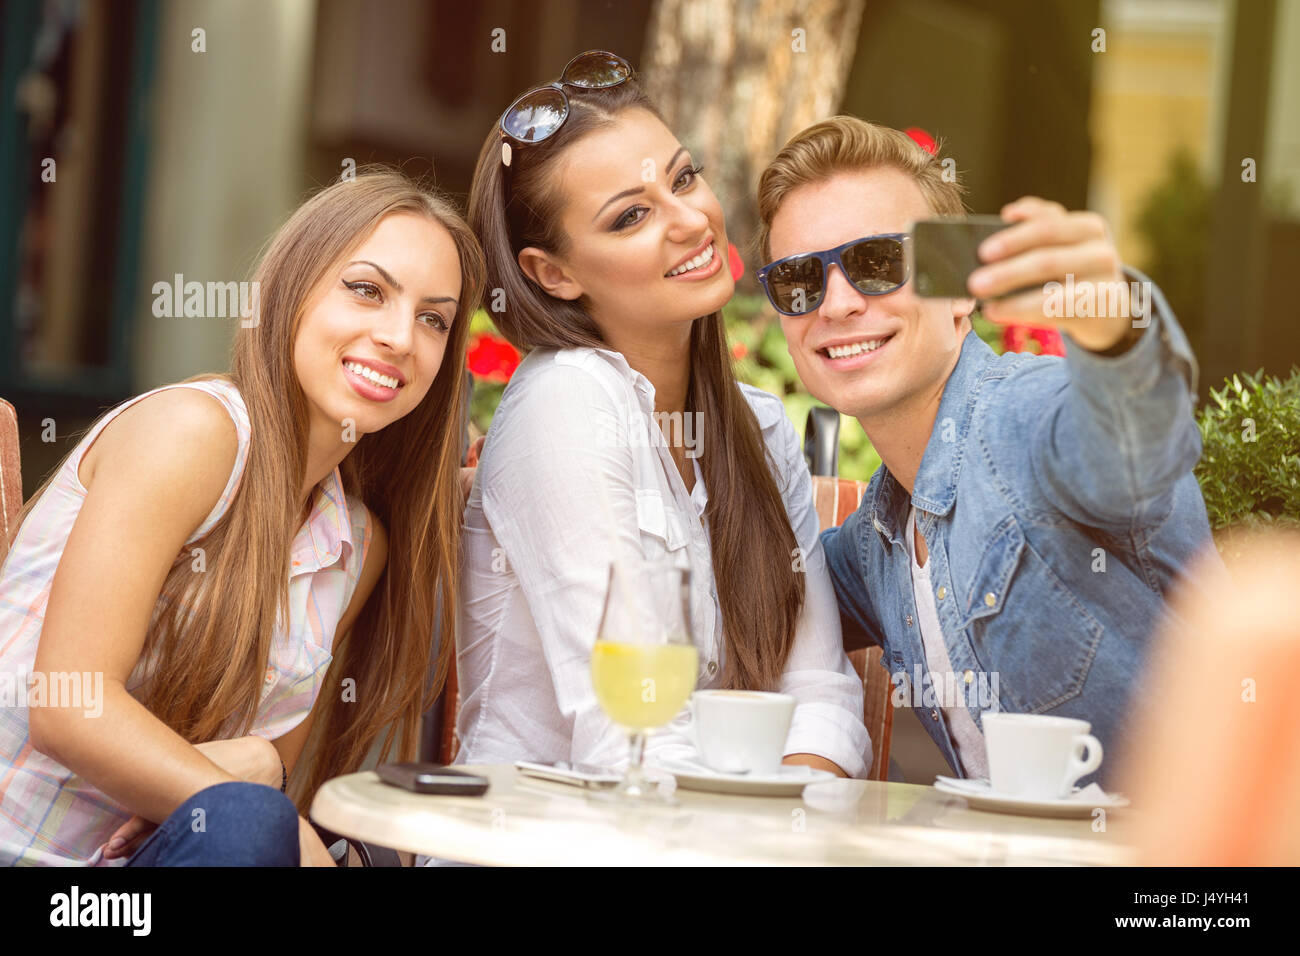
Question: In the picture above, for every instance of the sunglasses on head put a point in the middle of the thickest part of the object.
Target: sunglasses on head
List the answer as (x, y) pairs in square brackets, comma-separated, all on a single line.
[(876, 265), (537, 114)]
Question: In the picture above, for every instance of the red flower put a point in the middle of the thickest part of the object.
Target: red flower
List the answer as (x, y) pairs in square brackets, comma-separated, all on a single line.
[(1025, 338), (923, 139), (491, 358), (1049, 341), (739, 351), (736, 263)]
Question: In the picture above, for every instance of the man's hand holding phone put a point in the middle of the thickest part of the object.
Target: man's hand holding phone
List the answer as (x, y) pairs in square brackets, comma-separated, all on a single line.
[(1038, 265), (1045, 244)]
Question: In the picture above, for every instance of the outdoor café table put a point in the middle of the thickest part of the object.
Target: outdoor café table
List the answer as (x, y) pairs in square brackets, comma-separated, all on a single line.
[(522, 821)]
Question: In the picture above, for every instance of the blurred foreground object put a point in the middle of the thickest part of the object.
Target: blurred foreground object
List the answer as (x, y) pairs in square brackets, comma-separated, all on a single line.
[(1215, 765)]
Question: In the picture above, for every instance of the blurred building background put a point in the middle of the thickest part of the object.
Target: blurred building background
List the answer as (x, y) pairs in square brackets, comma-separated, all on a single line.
[(143, 140)]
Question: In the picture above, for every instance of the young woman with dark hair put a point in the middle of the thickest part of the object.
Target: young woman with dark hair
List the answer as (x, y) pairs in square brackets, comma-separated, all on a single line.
[(625, 433)]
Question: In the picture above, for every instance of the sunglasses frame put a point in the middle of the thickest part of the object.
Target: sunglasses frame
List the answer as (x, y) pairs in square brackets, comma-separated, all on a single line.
[(833, 257), (560, 84)]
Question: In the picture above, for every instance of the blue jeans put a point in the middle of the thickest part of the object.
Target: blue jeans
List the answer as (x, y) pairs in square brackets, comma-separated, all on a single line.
[(228, 824)]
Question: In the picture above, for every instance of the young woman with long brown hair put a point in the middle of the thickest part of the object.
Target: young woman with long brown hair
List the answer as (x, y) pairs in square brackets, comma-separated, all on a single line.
[(253, 565), (606, 255)]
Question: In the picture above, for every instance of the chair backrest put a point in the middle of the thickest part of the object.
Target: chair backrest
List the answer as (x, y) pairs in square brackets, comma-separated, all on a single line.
[(835, 499), (11, 475)]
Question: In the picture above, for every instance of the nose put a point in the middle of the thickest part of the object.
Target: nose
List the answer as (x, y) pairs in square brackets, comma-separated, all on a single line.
[(687, 222), (841, 300), (394, 328)]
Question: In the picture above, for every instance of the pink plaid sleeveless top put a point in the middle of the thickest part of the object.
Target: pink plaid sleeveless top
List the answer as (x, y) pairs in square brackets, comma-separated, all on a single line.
[(48, 814)]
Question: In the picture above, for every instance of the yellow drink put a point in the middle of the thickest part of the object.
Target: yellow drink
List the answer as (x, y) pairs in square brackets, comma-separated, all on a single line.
[(643, 686)]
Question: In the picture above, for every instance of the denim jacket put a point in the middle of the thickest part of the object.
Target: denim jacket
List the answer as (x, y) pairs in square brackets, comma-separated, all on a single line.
[(1057, 502)]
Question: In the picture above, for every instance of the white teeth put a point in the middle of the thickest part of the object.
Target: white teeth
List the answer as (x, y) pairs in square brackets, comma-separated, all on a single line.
[(701, 259), (844, 351), (371, 375)]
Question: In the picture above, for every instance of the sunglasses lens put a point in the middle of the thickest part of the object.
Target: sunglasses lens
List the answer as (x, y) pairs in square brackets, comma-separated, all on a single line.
[(536, 115), (596, 70), (875, 265), (796, 285)]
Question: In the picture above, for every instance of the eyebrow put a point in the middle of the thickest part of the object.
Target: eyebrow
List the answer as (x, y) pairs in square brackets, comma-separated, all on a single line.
[(639, 189), (397, 286)]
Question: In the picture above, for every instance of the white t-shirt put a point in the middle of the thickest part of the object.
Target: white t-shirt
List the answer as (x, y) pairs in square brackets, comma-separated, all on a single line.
[(965, 734)]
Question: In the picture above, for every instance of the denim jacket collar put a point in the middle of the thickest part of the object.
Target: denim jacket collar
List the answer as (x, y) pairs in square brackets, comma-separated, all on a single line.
[(935, 489)]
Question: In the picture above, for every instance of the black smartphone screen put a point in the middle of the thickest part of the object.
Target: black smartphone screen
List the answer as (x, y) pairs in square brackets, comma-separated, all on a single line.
[(945, 253)]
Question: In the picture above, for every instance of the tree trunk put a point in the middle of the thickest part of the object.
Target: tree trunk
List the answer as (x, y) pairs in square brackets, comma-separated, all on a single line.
[(735, 79)]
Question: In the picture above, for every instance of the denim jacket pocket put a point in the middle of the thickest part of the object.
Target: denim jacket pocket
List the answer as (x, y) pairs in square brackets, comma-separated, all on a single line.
[(1026, 626)]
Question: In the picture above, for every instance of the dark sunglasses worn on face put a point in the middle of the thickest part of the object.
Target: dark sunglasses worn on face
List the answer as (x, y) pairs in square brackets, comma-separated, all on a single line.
[(537, 114), (876, 265)]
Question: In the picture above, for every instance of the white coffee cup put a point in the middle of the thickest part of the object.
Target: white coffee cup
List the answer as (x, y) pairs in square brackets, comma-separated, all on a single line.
[(1038, 756), (739, 731)]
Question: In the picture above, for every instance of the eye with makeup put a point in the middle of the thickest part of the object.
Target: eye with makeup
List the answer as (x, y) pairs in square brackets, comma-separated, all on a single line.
[(364, 289), (623, 222)]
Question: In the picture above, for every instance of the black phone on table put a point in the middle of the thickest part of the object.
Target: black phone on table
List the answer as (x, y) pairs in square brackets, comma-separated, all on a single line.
[(432, 778)]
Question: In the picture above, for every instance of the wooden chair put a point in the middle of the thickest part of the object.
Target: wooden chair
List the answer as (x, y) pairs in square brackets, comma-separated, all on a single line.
[(835, 499), (11, 476)]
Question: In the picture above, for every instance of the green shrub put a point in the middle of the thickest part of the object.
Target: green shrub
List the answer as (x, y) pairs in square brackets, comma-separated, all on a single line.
[(1249, 470)]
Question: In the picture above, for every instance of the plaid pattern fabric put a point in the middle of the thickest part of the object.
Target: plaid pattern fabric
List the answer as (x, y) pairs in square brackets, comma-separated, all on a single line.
[(50, 815)]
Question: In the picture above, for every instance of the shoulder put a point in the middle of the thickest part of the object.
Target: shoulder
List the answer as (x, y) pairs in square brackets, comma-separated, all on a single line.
[(779, 434), (567, 375), (181, 432), (767, 408), (558, 396)]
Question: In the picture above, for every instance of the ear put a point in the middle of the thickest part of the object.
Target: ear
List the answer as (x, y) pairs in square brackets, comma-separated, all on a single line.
[(548, 273), (962, 308)]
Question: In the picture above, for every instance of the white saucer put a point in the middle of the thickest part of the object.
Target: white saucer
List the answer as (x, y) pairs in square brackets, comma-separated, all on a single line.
[(788, 781), (979, 794)]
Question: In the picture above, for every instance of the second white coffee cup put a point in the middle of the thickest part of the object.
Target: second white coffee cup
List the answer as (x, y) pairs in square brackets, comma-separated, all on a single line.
[(1038, 756), (740, 731)]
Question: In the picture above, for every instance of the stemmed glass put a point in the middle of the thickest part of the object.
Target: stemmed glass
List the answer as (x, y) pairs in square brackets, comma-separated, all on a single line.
[(644, 663)]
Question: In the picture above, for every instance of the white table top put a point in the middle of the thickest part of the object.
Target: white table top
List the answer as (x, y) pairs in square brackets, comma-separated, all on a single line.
[(526, 822)]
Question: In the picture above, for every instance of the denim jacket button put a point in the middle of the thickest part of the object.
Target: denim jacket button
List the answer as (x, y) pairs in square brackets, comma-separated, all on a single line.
[(909, 620), (968, 676), (943, 592), (713, 668), (934, 715), (990, 599)]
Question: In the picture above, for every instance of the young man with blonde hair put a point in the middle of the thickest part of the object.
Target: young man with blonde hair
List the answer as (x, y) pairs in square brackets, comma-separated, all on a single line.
[(1014, 550)]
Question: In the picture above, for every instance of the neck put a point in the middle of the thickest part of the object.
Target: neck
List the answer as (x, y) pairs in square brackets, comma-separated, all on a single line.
[(325, 450), (901, 433), (663, 355)]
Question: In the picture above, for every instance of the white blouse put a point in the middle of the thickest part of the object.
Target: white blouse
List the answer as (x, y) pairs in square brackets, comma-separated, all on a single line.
[(568, 480)]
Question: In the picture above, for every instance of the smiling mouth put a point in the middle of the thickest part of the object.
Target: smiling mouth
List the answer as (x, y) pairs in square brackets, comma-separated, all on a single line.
[(699, 262), (373, 377), (854, 348)]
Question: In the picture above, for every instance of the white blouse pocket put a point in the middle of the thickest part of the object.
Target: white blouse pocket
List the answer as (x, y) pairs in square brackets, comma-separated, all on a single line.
[(661, 532)]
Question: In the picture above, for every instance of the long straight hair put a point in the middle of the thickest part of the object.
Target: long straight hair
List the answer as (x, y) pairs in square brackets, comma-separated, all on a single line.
[(211, 632), (752, 544)]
